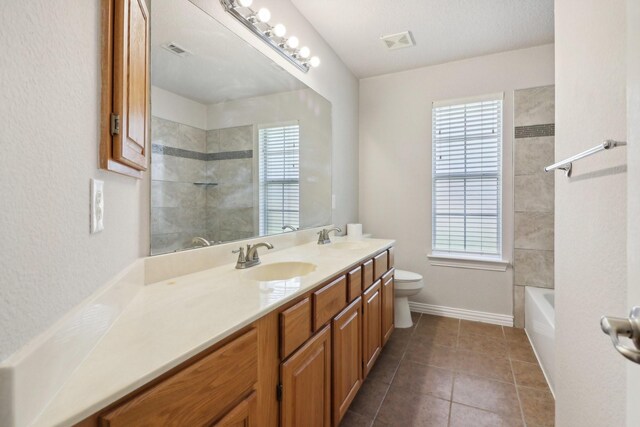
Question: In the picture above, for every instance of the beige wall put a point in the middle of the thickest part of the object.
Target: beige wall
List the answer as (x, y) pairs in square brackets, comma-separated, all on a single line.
[(49, 106), (395, 165), (590, 231), (633, 194)]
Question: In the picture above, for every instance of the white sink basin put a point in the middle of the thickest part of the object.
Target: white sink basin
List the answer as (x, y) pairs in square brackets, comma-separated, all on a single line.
[(347, 245), (280, 271)]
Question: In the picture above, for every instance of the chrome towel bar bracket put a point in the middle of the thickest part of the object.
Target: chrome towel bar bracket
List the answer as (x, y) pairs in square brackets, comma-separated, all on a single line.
[(566, 165)]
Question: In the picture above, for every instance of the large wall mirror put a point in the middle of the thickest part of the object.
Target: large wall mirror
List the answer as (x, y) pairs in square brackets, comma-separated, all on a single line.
[(240, 148)]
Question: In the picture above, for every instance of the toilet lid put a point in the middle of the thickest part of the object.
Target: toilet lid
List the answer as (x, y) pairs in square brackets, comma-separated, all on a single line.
[(406, 276)]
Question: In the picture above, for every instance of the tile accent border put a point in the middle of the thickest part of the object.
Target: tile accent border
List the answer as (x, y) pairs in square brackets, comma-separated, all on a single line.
[(189, 154), (535, 131), (461, 313)]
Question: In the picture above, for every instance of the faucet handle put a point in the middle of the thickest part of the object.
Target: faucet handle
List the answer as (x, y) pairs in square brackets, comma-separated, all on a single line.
[(240, 251)]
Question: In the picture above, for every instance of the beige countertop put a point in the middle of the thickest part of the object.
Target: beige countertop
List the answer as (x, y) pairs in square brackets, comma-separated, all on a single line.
[(170, 321)]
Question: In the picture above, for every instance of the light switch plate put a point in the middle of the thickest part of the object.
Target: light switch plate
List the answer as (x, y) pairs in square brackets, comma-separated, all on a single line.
[(97, 206)]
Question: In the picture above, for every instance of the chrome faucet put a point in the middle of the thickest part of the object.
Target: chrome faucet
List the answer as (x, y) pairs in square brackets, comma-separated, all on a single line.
[(290, 227), (200, 241), (323, 235), (251, 258)]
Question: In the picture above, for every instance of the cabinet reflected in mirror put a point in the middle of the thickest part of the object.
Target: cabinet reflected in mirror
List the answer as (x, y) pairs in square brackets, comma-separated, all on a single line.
[(240, 148)]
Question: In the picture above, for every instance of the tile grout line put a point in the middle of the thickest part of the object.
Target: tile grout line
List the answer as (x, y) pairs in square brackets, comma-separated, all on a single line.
[(455, 376), (513, 374), (373, 421), (404, 352), (515, 384)]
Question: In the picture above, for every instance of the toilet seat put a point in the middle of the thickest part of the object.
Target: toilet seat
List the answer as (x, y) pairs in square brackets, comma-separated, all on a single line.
[(407, 280), (406, 276)]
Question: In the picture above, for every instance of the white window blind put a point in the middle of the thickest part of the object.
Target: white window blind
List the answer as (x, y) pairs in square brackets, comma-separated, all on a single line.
[(467, 177), (279, 177)]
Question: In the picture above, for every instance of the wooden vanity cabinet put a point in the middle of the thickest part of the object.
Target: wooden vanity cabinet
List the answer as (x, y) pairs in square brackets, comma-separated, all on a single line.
[(388, 301), (328, 301), (367, 274), (380, 265), (354, 284), (245, 414), (347, 358), (295, 327), (300, 365), (306, 384), (372, 326), (199, 394)]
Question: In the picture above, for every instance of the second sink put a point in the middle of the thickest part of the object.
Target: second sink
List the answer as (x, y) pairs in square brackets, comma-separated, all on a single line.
[(280, 271)]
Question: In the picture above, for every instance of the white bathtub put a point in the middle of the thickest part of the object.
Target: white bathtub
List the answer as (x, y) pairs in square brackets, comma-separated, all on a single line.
[(540, 327)]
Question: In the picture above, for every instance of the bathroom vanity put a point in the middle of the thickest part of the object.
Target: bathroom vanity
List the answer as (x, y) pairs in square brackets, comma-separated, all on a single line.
[(302, 362)]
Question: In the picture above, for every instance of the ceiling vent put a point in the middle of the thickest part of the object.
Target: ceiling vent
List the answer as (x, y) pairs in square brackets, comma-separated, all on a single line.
[(398, 41), (176, 49)]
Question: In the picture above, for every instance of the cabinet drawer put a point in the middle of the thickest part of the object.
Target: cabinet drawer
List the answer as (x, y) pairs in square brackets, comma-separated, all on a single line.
[(354, 284), (198, 394), (328, 301), (295, 327), (380, 265), (367, 274), (392, 259)]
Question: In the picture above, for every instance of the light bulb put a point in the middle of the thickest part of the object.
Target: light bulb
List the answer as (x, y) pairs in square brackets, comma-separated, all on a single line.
[(280, 30), (304, 52), (264, 15), (314, 61), (244, 3), (293, 42)]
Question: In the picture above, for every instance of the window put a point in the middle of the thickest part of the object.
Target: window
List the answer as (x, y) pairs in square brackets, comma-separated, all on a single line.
[(467, 177), (279, 177)]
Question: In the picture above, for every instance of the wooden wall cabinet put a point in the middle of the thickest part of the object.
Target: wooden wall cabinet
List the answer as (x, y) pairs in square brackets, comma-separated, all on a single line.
[(306, 384), (126, 111)]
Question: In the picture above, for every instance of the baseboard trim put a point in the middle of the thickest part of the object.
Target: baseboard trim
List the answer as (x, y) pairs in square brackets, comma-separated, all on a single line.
[(461, 313)]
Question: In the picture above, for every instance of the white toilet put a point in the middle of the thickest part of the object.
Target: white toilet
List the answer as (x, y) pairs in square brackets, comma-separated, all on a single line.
[(406, 284)]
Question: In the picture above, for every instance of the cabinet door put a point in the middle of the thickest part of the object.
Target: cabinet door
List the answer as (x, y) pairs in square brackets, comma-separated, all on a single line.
[(306, 384), (244, 414), (125, 86), (198, 394), (372, 321), (387, 306), (347, 358)]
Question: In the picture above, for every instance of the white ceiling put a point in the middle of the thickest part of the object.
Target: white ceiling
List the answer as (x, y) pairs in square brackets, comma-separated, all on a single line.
[(444, 30), (222, 66)]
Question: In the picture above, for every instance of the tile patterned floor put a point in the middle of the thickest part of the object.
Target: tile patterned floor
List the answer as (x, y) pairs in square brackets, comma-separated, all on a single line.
[(454, 373)]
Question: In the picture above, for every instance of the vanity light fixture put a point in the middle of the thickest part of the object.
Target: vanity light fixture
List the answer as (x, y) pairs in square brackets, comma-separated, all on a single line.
[(274, 36)]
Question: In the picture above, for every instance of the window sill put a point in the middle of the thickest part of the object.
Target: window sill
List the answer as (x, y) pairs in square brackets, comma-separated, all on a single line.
[(470, 262)]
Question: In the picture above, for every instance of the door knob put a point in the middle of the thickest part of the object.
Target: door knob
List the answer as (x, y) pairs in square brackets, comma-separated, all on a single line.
[(630, 328)]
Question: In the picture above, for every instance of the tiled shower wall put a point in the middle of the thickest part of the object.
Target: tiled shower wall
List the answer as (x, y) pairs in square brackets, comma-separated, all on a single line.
[(230, 204), (534, 120), (202, 184)]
